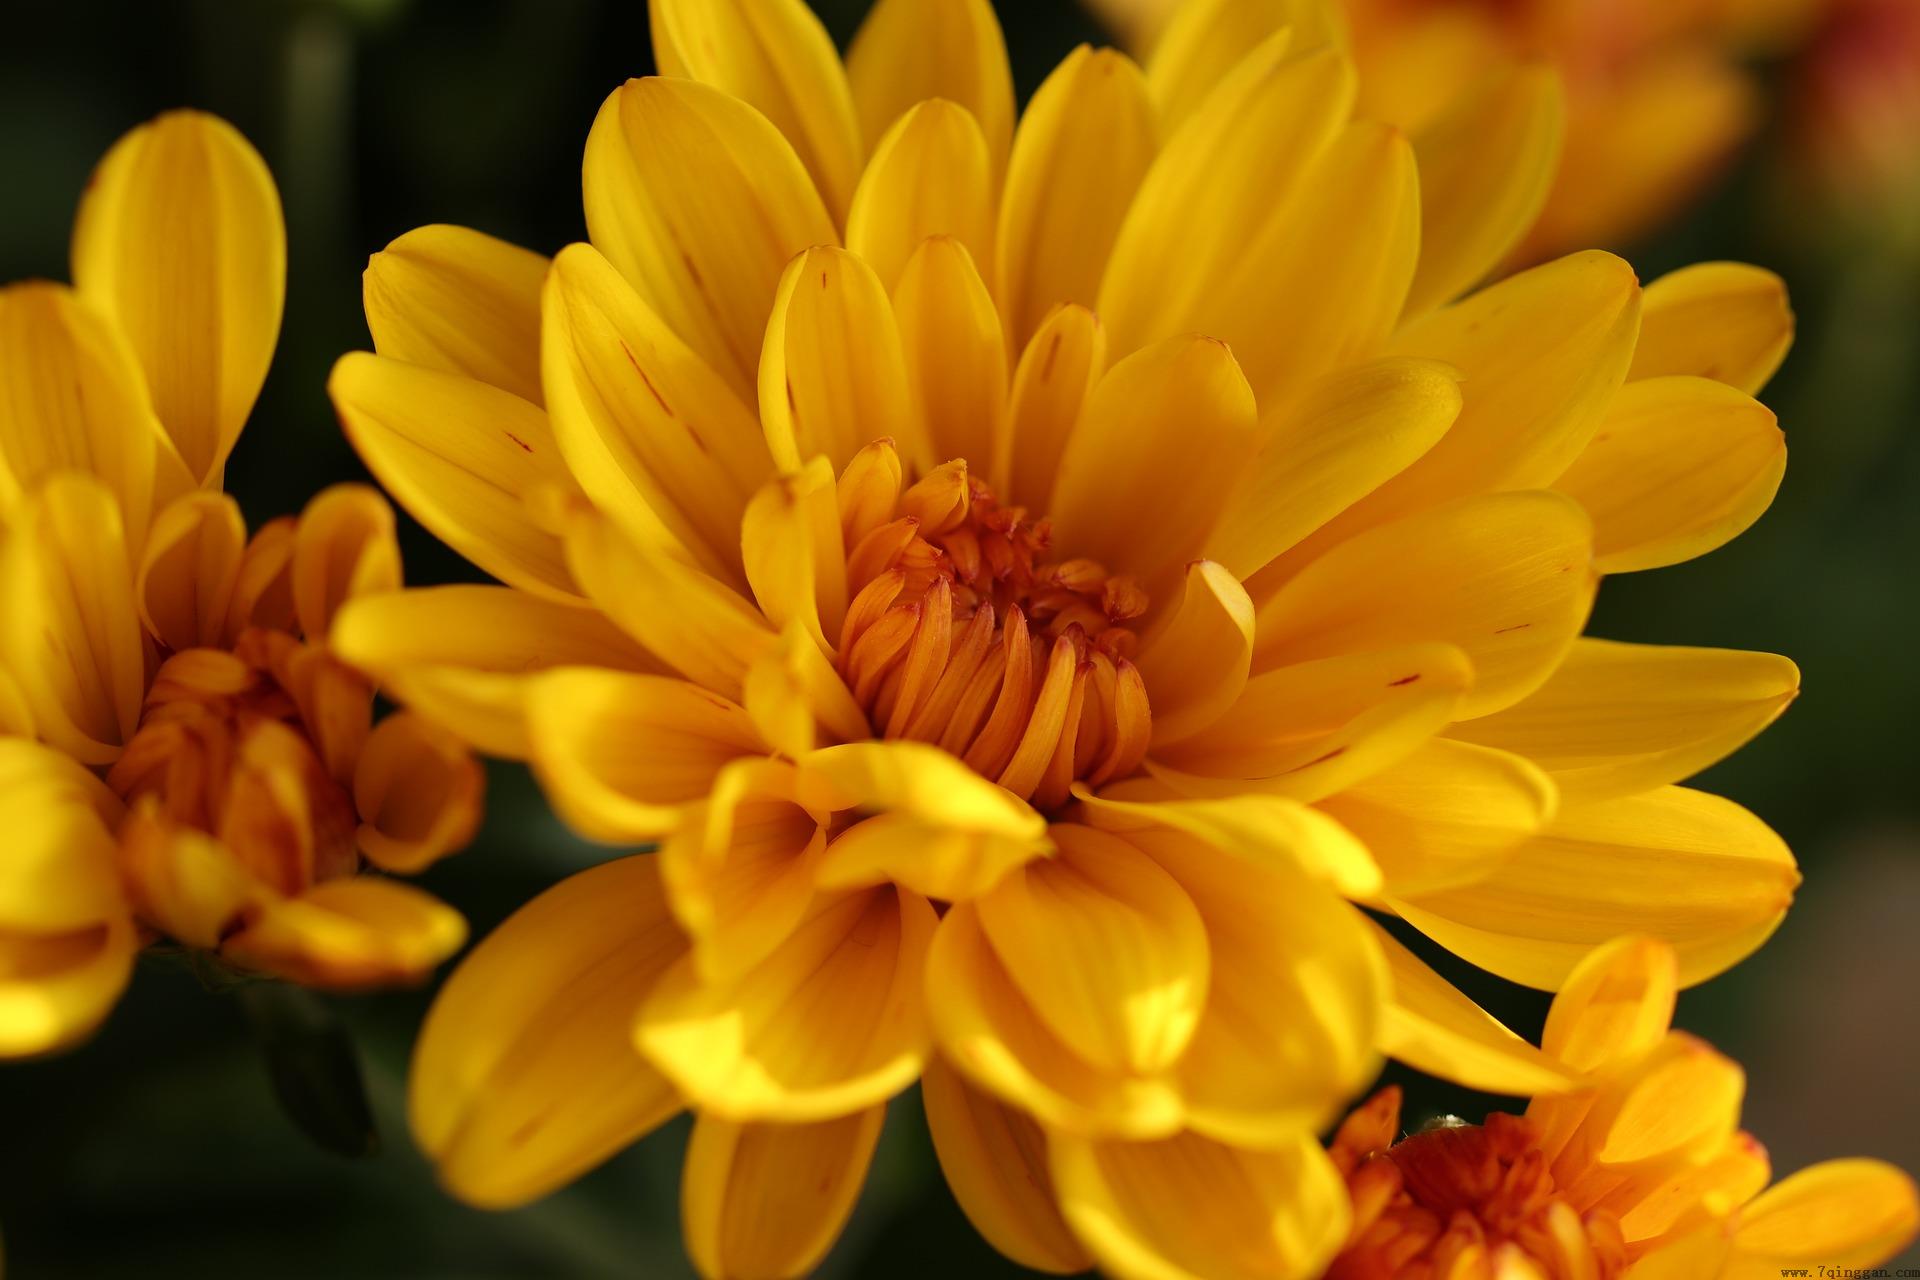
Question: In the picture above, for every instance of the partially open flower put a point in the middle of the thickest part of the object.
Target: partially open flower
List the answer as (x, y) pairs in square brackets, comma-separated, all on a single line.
[(147, 641)]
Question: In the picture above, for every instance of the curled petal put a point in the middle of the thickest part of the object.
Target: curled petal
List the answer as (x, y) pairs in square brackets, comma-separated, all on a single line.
[(350, 934), (418, 793), (190, 568), (345, 548)]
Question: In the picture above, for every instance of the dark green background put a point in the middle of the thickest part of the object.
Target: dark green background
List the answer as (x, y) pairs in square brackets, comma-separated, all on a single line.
[(158, 1150)]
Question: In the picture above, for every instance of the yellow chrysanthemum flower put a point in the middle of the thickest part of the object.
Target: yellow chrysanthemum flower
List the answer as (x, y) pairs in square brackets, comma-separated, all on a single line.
[(1656, 94), (1023, 693), (1642, 1173), (182, 756)]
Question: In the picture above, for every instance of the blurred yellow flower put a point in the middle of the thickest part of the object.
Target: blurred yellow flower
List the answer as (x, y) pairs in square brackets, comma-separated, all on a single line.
[(1656, 96), (1642, 1172), (1023, 690), (182, 755)]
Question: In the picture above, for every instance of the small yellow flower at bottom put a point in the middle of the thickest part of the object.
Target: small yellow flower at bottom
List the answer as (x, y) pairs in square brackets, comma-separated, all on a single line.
[(1643, 1173)]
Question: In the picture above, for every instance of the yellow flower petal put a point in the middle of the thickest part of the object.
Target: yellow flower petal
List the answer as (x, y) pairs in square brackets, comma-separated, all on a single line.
[(939, 828), (201, 317), (922, 782), (700, 202), (956, 358), (995, 1160), (1682, 866), (1506, 578), (56, 987), (1347, 234), (1614, 718), (766, 1201), (1058, 371), (833, 375), (263, 587), (739, 869), (1679, 467), (1839, 1213), (1540, 355), (1431, 1026), (990, 1033), (190, 569), (777, 58), (1106, 948), (1205, 39), (1083, 145), (907, 52), (72, 398), (651, 432), (59, 873), (833, 1021), (1347, 434), (524, 1075), (797, 699), (1297, 989), (619, 753), (1486, 165), (460, 456), (1310, 730), (345, 548), (795, 561), (69, 631), (1196, 664), (463, 655), (1448, 814), (1217, 185), (1698, 1193), (1166, 430), (458, 300), (349, 935), (694, 623), (1616, 1005), (182, 881), (16, 717), (930, 175), (1269, 831), (1188, 1208), (418, 794), (1680, 1104), (1721, 320), (1703, 1252), (930, 859)]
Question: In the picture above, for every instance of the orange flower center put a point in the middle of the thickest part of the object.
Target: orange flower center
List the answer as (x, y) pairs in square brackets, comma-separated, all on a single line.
[(964, 632), (1463, 1202), (224, 747)]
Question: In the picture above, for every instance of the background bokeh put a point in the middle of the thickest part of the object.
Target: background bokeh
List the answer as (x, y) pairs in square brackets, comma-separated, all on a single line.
[(158, 1149)]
